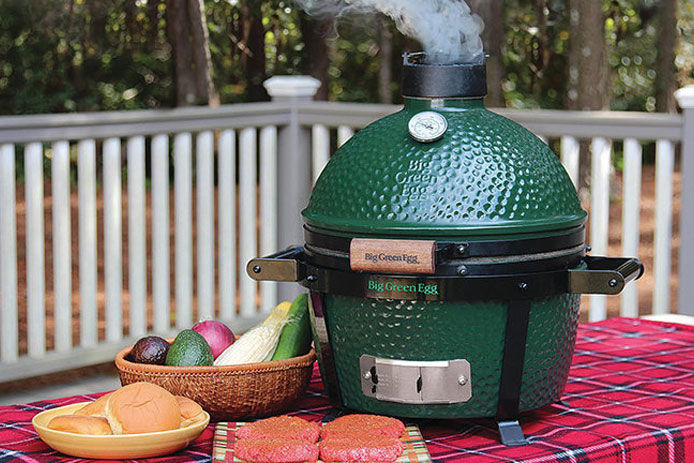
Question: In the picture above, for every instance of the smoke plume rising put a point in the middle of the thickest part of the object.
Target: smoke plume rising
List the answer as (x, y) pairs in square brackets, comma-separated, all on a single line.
[(447, 29)]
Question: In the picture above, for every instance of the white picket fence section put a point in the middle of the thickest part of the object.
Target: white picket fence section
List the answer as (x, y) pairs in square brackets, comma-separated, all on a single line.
[(225, 143), (224, 203)]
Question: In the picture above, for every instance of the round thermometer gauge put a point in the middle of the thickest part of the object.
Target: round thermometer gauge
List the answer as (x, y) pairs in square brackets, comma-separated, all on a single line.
[(427, 126)]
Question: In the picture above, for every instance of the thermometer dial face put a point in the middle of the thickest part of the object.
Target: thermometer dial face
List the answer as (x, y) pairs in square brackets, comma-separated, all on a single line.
[(427, 126)]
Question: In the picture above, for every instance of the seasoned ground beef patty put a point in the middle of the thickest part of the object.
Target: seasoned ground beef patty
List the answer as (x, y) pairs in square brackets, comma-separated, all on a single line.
[(275, 450), (363, 425), (368, 448), (280, 427)]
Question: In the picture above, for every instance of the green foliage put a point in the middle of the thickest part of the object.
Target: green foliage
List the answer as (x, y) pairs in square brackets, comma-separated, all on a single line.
[(354, 65), (79, 55), (82, 55), (536, 54), (631, 28)]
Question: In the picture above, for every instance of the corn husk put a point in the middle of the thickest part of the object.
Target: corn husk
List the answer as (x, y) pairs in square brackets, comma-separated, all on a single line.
[(260, 342)]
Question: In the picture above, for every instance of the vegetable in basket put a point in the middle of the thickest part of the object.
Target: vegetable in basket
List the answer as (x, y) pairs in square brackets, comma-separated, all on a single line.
[(295, 339), (284, 334), (259, 343)]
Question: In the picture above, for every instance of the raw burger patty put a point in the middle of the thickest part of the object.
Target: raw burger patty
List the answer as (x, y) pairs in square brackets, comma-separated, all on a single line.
[(280, 427), (363, 425), (275, 450), (361, 449)]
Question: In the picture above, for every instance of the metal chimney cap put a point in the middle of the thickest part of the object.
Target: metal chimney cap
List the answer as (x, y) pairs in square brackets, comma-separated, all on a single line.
[(458, 80)]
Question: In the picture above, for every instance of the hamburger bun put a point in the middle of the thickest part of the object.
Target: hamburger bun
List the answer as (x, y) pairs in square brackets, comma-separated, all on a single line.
[(142, 407), (80, 424), (190, 410), (96, 408)]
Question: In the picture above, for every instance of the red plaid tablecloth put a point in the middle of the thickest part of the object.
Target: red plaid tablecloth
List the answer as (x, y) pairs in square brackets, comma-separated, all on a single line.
[(630, 399)]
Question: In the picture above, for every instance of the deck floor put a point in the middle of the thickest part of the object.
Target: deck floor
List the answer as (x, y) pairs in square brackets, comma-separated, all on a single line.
[(87, 385)]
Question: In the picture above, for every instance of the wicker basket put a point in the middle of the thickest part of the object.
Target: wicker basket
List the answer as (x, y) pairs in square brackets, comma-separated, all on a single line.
[(232, 392)]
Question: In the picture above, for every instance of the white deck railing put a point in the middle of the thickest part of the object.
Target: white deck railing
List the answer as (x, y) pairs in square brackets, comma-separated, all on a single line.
[(274, 150)]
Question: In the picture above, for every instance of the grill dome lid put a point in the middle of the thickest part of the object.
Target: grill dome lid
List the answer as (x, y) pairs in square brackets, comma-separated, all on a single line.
[(485, 175)]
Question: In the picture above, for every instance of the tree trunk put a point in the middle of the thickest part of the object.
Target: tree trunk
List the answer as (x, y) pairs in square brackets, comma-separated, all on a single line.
[(385, 71), (178, 30), (666, 83), (96, 33), (492, 12), (131, 10), (254, 50), (153, 21), (588, 72), (201, 53), (316, 59), (587, 87)]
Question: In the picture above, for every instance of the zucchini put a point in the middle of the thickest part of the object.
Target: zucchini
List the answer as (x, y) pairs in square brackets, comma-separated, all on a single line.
[(295, 339)]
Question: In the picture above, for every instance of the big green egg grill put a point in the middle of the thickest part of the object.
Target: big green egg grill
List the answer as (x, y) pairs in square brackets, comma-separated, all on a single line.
[(445, 258)]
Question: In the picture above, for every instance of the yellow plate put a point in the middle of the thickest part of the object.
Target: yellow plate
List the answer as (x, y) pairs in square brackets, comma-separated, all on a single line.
[(121, 447)]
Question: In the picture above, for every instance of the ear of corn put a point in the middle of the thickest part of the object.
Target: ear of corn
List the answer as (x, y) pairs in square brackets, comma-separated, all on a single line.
[(260, 342)]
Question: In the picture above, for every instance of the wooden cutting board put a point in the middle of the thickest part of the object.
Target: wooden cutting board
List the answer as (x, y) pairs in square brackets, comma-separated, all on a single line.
[(225, 436)]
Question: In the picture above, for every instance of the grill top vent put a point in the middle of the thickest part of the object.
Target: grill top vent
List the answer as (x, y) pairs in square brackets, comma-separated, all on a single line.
[(460, 80)]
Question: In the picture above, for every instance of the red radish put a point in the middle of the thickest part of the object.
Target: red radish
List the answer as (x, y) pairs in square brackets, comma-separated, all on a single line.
[(217, 335)]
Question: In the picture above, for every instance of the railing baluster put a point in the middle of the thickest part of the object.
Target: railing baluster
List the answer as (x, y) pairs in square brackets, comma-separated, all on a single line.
[(321, 149), (344, 133), (183, 229), (113, 239), (226, 204), (86, 187), (268, 208), (8, 256), (160, 233), (570, 157), (664, 167), (137, 236), (204, 187), (631, 199), (247, 218), (62, 246), (36, 306), (601, 149)]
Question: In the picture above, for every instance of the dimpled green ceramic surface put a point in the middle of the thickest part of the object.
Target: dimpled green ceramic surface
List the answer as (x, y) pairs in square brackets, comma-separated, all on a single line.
[(414, 330), (487, 175)]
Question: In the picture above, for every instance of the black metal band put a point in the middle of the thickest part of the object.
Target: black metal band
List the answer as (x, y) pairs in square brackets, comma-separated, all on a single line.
[(435, 288), (590, 275), (321, 339), (514, 357), (560, 260), (450, 250)]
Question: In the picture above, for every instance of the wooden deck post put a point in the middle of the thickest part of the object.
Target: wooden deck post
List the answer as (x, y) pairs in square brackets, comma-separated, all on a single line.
[(685, 98), (294, 163)]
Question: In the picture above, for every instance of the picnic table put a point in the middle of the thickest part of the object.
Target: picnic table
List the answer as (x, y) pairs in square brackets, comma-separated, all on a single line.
[(630, 398)]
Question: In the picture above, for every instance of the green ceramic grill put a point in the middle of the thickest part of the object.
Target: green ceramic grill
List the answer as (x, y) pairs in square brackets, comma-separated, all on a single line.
[(445, 257)]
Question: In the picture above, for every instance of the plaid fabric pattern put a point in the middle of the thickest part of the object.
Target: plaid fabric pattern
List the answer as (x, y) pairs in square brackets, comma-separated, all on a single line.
[(19, 441), (630, 399), (225, 436)]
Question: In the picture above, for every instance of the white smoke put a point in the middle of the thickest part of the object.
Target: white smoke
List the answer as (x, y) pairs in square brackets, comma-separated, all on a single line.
[(447, 29)]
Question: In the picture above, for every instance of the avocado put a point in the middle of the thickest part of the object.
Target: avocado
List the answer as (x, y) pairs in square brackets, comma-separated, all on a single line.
[(189, 349), (151, 349)]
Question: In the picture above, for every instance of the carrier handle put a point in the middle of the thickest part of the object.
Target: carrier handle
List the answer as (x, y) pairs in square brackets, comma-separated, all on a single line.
[(286, 265), (604, 275)]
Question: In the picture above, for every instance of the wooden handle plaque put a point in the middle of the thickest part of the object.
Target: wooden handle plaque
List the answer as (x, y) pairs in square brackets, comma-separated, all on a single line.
[(392, 256)]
